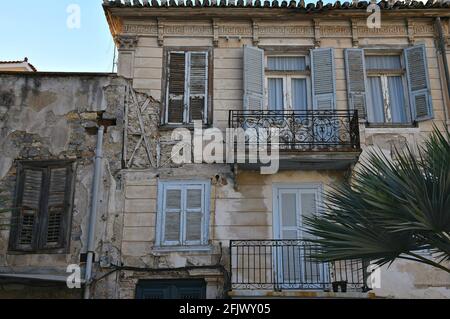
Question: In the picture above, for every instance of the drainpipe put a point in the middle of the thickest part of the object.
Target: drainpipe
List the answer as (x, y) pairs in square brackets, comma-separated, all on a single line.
[(442, 50), (93, 212)]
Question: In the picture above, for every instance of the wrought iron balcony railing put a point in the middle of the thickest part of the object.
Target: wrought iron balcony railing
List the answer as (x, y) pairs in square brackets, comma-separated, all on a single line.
[(287, 264), (301, 130)]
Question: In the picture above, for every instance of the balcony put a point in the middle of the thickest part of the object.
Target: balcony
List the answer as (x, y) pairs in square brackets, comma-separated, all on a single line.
[(280, 265), (307, 140)]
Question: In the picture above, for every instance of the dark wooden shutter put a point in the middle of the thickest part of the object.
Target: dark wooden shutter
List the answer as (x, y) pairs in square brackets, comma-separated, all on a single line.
[(29, 208), (198, 86), (323, 79), (43, 206), (418, 82), (176, 87), (57, 206), (356, 80)]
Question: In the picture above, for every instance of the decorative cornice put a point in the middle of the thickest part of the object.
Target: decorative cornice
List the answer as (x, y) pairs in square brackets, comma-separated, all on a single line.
[(160, 32), (355, 38), (255, 33), (316, 33), (127, 42), (411, 31), (215, 33)]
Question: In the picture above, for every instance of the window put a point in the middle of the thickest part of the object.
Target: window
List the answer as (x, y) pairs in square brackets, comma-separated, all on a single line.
[(389, 86), (304, 81), (187, 87), (43, 207), (386, 87), (183, 215), (287, 83)]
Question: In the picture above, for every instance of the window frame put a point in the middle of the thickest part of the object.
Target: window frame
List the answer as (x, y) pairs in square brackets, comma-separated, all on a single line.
[(383, 74), (287, 77), (183, 244), (208, 111), (37, 246)]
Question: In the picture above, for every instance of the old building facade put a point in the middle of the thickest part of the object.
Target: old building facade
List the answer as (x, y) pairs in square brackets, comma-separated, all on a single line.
[(333, 86)]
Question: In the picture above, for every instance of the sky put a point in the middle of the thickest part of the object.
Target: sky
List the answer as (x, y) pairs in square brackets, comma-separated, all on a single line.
[(46, 31)]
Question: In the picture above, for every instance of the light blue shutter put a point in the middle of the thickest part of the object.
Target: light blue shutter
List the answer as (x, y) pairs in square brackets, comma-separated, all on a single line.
[(172, 215), (253, 79), (355, 71), (194, 214), (198, 86), (418, 82), (323, 79)]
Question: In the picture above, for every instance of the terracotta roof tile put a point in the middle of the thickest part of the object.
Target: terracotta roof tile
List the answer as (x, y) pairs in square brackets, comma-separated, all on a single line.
[(293, 4), (21, 61)]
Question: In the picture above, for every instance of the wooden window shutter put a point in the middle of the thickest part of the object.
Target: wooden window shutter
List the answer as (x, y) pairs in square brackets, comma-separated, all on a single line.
[(176, 87), (323, 79), (198, 86), (57, 207), (253, 78), (29, 208), (418, 82), (356, 80), (172, 216), (194, 214), (43, 204)]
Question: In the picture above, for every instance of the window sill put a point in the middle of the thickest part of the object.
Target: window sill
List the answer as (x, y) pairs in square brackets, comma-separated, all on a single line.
[(389, 125), (56, 251), (170, 249), (170, 127), (392, 128)]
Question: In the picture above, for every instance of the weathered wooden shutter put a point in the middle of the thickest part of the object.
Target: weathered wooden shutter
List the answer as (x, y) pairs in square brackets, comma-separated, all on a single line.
[(193, 214), (323, 79), (172, 217), (176, 87), (57, 207), (198, 86), (356, 81), (418, 82), (29, 207), (253, 79)]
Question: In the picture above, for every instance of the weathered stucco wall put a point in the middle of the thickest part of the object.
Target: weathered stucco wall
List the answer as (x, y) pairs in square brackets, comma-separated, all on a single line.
[(241, 206), (54, 117)]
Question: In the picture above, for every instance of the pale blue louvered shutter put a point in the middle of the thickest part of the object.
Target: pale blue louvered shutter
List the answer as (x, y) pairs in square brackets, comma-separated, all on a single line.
[(418, 82), (355, 71), (172, 215), (198, 86), (253, 78), (323, 79)]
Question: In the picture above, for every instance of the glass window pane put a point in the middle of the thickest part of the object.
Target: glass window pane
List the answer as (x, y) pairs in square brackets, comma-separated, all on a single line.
[(288, 209), (286, 63), (308, 204), (383, 62), (397, 99), (276, 94), (299, 95), (375, 111)]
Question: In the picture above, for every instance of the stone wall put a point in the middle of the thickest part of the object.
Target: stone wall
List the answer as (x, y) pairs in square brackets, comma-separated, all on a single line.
[(55, 117)]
